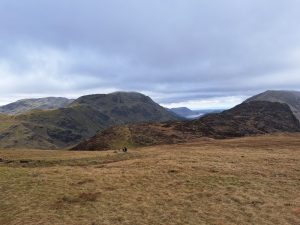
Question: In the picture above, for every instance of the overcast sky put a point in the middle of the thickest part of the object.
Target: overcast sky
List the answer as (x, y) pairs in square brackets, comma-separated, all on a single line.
[(198, 53)]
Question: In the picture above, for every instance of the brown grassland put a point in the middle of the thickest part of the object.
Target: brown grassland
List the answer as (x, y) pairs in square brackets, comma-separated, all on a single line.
[(254, 180)]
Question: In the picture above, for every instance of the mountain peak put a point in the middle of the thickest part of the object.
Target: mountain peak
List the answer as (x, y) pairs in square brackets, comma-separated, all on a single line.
[(106, 102), (291, 98)]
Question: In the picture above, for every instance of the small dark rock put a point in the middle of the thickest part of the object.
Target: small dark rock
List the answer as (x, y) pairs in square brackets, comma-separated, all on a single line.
[(24, 161)]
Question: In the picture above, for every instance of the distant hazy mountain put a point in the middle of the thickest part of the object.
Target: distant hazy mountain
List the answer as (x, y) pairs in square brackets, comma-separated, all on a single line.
[(51, 129), (25, 105), (182, 111), (249, 118), (192, 114), (291, 98)]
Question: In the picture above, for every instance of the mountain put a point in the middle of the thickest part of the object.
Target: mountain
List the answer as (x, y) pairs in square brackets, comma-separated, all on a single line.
[(291, 98), (183, 111), (192, 114), (124, 107), (83, 118), (246, 119), (25, 105)]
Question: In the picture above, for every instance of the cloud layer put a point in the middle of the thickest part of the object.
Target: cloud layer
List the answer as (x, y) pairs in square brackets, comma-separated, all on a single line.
[(176, 51)]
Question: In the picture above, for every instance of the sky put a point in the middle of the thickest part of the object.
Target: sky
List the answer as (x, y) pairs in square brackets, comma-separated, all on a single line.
[(195, 53)]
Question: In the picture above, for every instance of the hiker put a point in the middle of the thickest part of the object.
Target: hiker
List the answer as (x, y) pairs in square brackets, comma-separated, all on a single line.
[(124, 149)]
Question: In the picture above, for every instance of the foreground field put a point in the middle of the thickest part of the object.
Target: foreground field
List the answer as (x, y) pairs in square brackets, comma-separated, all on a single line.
[(238, 181)]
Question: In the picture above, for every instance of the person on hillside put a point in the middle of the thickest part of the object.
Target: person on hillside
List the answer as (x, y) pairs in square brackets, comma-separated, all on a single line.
[(125, 149)]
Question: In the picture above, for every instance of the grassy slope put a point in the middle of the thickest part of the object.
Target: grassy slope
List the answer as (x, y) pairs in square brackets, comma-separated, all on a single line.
[(6, 122), (238, 181), (135, 135), (50, 129), (79, 119)]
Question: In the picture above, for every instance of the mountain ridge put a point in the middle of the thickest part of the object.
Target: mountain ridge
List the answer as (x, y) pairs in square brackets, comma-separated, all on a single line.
[(133, 118), (25, 105), (83, 118), (246, 119)]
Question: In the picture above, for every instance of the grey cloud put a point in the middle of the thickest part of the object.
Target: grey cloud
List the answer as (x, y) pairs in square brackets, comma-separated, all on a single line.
[(177, 50)]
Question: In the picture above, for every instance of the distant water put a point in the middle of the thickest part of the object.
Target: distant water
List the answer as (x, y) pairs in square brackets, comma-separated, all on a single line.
[(201, 113), (195, 116)]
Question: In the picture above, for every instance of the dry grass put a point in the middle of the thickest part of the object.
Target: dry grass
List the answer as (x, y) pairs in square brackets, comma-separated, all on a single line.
[(238, 181)]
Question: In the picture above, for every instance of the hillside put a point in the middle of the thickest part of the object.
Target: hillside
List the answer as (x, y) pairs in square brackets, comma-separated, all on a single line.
[(135, 135), (246, 119), (291, 98), (25, 105), (251, 118), (252, 180), (59, 128)]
